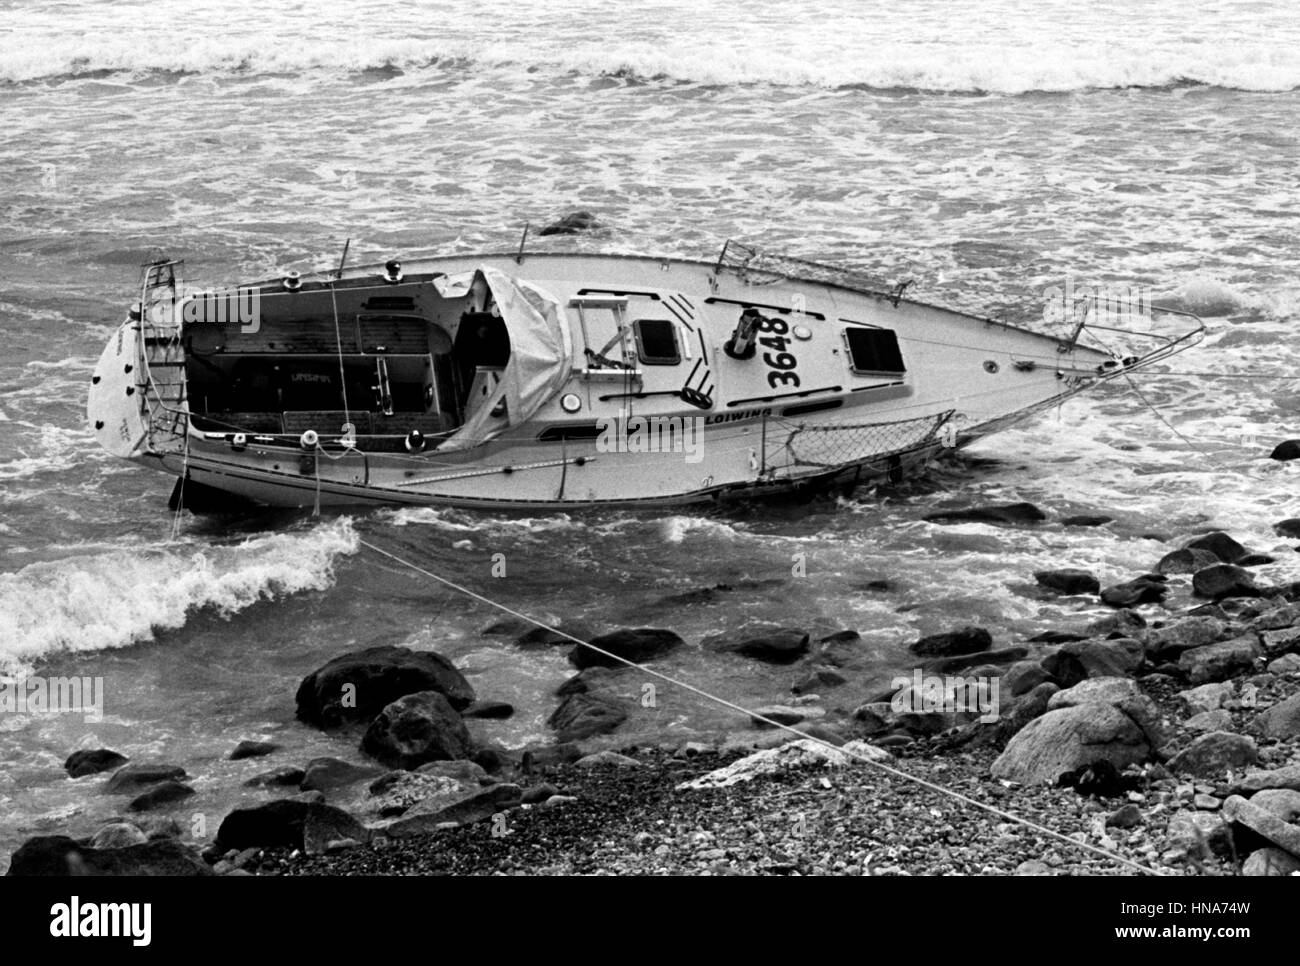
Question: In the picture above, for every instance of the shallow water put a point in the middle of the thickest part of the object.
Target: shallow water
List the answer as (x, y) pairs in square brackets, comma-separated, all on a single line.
[(1029, 144)]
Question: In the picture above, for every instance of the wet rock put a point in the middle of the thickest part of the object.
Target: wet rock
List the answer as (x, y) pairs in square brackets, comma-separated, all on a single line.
[(1141, 590), (464, 772), (1069, 738), (92, 762), (538, 794), (637, 645), (1220, 544), (1117, 692), (818, 679), (1218, 720), (1288, 776), (1185, 561), (158, 795), (606, 759), (1068, 581), (1059, 637), (1286, 664), (1256, 560), (1274, 616), (1282, 834), (1282, 802), (277, 824), (1290, 527), (589, 679), (462, 809), (358, 686), (1213, 755), (1218, 662), (133, 779), (1166, 643), (841, 649), (1207, 697), (330, 774), (1023, 677), (987, 659), (1123, 623), (1223, 580), (1126, 816), (252, 749), (966, 640), (1080, 660), (58, 855), (539, 637), (415, 729), (1200, 833), (781, 714), (1000, 513), (1087, 520), (326, 830), (581, 716), (119, 835), (1282, 720), (549, 756), (1270, 861), (575, 222), (506, 627), (1283, 640), (489, 709), (288, 775), (762, 642), (1288, 449)]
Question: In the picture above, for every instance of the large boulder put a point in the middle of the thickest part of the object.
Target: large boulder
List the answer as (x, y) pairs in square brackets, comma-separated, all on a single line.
[(459, 808), (638, 645), (1282, 720), (328, 775), (1079, 660), (1067, 739), (1224, 580), (1068, 581), (1260, 820), (1185, 561), (92, 762), (1288, 776), (1118, 692), (1290, 527), (965, 640), (57, 855), (770, 643), (586, 714), (134, 779), (998, 513), (417, 728), (573, 223), (1218, 662), (357, 686), (1270, 861), (1220, 544), (1213, 755), (282, 823), (1147, 589), (158, 795), (1171, 640)]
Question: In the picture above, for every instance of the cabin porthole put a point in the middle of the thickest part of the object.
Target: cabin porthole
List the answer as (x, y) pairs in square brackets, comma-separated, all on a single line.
[(309, 439), (570, 402), (415, 441), (991, 366), (292, 281)]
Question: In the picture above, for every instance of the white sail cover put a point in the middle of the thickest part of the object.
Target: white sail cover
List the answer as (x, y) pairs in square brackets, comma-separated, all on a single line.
[(541, 347)]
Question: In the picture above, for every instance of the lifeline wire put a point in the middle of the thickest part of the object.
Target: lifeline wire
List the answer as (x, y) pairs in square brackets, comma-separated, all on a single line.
[(768, 721)]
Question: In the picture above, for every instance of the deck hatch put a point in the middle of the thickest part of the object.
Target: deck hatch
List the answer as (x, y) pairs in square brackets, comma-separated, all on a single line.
[(656, 342), (874, 351)]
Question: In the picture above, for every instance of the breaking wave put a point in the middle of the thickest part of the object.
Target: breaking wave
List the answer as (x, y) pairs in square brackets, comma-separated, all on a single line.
[(106, 600)]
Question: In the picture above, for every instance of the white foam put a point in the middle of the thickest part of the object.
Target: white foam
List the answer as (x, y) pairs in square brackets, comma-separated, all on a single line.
[(105, 600)]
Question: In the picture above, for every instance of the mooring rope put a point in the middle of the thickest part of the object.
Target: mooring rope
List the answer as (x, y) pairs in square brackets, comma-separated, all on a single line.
[(898, 773)]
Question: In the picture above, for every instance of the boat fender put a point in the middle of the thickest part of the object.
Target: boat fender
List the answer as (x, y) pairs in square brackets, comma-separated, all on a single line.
[(292, 281), (135, 312), (392, 271), (415, 441), (309, 439)]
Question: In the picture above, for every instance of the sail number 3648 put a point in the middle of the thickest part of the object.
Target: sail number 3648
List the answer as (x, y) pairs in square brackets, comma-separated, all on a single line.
[(781, 362)]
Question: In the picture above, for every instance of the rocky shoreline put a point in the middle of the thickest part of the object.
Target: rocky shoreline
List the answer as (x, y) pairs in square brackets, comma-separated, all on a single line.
[(1149, 739)]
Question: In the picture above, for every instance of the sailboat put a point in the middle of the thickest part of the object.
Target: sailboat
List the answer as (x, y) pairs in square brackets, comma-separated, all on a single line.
[(523, 380)]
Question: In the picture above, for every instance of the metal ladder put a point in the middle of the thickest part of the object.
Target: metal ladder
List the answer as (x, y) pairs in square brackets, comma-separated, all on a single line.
[(162, 355), (591, 366)]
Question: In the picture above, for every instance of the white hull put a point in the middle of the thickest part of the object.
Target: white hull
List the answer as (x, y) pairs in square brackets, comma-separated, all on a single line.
[(811, 406)]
